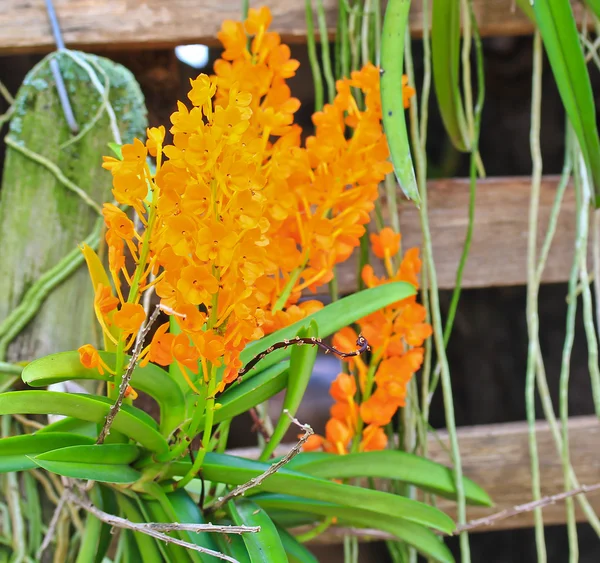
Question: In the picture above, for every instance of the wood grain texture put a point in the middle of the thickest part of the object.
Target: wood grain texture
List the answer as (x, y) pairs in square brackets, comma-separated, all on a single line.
[(497, 458), (498, 254), (101, 24)]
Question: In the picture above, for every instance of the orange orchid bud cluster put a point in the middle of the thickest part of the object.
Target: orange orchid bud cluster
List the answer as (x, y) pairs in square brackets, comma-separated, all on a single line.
[(320, 195), (395, 335), (237, 217)]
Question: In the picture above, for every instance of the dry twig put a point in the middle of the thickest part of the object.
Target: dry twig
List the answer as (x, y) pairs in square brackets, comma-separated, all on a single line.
[(144, 528), (527, 507), (256, 481), (373, 534), (137, 350), (51, 532)]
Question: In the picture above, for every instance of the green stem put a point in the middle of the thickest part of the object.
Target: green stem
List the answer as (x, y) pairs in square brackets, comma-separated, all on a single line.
[(311, 46), (316, 531), (420, 159), (325, 56), (580, 247), (532, 293), (287, 288), (209, 410), (344, 40), (475, 133)]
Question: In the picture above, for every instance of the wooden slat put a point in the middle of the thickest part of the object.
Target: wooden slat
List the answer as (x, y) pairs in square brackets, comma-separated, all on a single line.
[(95, 24), (499, 247), (497, 458)]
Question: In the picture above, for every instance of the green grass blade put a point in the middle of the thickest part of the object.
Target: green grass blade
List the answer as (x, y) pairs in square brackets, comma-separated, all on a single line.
[(445, 52), (559, 32), (395, 25)]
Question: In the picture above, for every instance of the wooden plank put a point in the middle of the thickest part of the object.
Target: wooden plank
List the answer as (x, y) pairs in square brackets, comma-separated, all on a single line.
[(101, 24), (498, 254), (497, 458)]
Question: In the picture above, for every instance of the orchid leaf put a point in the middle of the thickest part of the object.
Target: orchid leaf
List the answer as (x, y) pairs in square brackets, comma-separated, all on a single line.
[(15, 450), (302, 361), (86, 407), (296, 552), (359, 515), (559, 33), (264, 546), (106, 463), (445, 54), (151, 379), (241, 397), (223, 468), (395, 26), (329, 319), (389, 464)]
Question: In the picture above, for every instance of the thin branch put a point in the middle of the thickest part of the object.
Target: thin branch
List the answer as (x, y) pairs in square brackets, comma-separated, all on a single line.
[(118, 522), (137, 350), (51, 532), (256, 481), (258, 424), (199, 528), (527, 507), (374, 534)]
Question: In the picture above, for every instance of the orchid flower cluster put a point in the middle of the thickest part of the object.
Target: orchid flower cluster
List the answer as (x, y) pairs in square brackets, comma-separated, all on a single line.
[(237, 216), (396, 335)]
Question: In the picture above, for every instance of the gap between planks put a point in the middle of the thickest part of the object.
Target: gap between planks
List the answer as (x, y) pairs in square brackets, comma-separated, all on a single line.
[(118, 24), (496, 457)]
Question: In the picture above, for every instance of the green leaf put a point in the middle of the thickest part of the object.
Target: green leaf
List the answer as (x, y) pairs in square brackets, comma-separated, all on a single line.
[(241, 397), (15, 451), (525, 7), (445, 54), (264, 546), (232, 545), (151, 379), (223, 468), (395, 25), (85, 407), (594, 6), (187, 511), (72, 425), (559, 32), (424, 540), (33, 513), (387, 464), (330, 319), (147, 546), (106, 463), (97, 535), (154, 512), (296, 552), (302, 361)]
